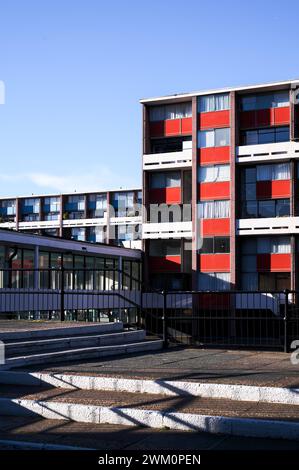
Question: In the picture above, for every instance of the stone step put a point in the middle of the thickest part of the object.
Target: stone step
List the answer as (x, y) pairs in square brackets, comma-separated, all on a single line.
[(50, 330), (14, 349), (179, 388), (82, 353), (180, 413)]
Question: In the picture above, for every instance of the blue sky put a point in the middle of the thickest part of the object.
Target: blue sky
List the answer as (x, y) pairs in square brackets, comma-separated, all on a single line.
[(74, 72)]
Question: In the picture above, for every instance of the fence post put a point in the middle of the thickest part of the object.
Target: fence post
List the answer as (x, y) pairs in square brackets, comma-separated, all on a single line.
[(286, 321), (62, 312), (164, 319)]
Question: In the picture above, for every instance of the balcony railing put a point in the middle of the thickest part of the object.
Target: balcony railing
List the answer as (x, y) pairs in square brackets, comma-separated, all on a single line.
[(166, 230), (269, 152)]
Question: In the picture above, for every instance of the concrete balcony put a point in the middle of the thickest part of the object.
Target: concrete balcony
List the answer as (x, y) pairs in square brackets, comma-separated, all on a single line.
[(268, 226), (167, 230), (84, 222), (126, 220), (267, 152), (38, 224), (170, 160)]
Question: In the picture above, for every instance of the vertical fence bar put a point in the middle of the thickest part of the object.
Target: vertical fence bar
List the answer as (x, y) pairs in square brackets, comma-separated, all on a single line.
[(164, 319), (286, 322), (62, 292)]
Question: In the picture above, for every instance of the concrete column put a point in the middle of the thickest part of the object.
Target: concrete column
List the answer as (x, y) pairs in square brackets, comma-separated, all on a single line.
[(195, 225), (233, 142)]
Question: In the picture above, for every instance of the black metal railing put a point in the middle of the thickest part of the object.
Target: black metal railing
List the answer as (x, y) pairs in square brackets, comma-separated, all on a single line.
[(220, 319)]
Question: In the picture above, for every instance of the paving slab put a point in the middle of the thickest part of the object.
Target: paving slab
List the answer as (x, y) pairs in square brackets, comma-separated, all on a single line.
[(116, 437), (260, 368), (177, 404)]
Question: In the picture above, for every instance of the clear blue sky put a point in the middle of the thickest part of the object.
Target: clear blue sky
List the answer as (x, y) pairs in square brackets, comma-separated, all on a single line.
[(74, 72)]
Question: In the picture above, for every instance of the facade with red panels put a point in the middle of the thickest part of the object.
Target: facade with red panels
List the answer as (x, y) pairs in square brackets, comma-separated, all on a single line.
[(231, 156)]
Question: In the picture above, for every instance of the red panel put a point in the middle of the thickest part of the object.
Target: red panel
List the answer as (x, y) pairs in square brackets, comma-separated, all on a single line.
[(273, 189), (263, 117), (156, 128), (247, 119), (219, 262), (215, 227), (282, 115), (208, 191), (165, 195), (274, 263), (186, 125), (213, 119), (172, 127), (165, 264), (214, 155)]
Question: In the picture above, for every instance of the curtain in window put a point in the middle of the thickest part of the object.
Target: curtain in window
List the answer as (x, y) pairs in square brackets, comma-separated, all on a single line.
[(264, 172), (213, 281), (222, 281), (208, 174), (206, 139), (281, 245), (173, 179), (221, 101), (281, 171), (222, 137), (214, 209), (206, 103)]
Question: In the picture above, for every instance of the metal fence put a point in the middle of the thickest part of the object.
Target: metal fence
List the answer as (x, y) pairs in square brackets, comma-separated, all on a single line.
[(237, 319), (219, 319), (70, 294)]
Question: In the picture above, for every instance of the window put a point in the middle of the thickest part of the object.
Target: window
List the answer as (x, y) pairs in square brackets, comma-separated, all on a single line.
[(265, 136), (8, 206), (217, 102), (277, 99), (78, 233), (78, 200), (267, 208), (213, 281), (32, 205), (208, 174), (273, 245), (170, 179), (280, 171), (170, 111), (176, 144), (165, 248), (214, 138), (215, 245), (214, 209), (274, 281), (51, 216), (52, 204)]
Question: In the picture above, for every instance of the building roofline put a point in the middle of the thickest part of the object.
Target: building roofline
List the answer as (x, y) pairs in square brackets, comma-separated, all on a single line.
[(15, 236), (29, 196), (218, 90)]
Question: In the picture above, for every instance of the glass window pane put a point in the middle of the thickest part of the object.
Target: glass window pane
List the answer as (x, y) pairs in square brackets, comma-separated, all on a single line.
[(266, 208), (222, 137), (206, 139)]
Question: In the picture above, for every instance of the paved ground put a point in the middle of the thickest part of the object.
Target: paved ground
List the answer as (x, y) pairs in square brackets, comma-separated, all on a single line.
[(268, 368), (115, 437), (187, 404), (26, 325)]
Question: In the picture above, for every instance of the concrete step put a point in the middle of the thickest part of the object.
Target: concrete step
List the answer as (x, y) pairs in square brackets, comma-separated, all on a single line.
[(50, 330), (20, 348), (215, 416), (177, 388), (82, 353)]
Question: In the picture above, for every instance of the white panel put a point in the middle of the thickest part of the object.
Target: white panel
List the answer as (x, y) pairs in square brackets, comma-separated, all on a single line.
[(263, 226), (167, 230), (158, 161), (267, 152)]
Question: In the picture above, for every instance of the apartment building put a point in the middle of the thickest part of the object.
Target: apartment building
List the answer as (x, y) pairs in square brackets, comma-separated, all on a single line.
[(232, 155), (100, 217)]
